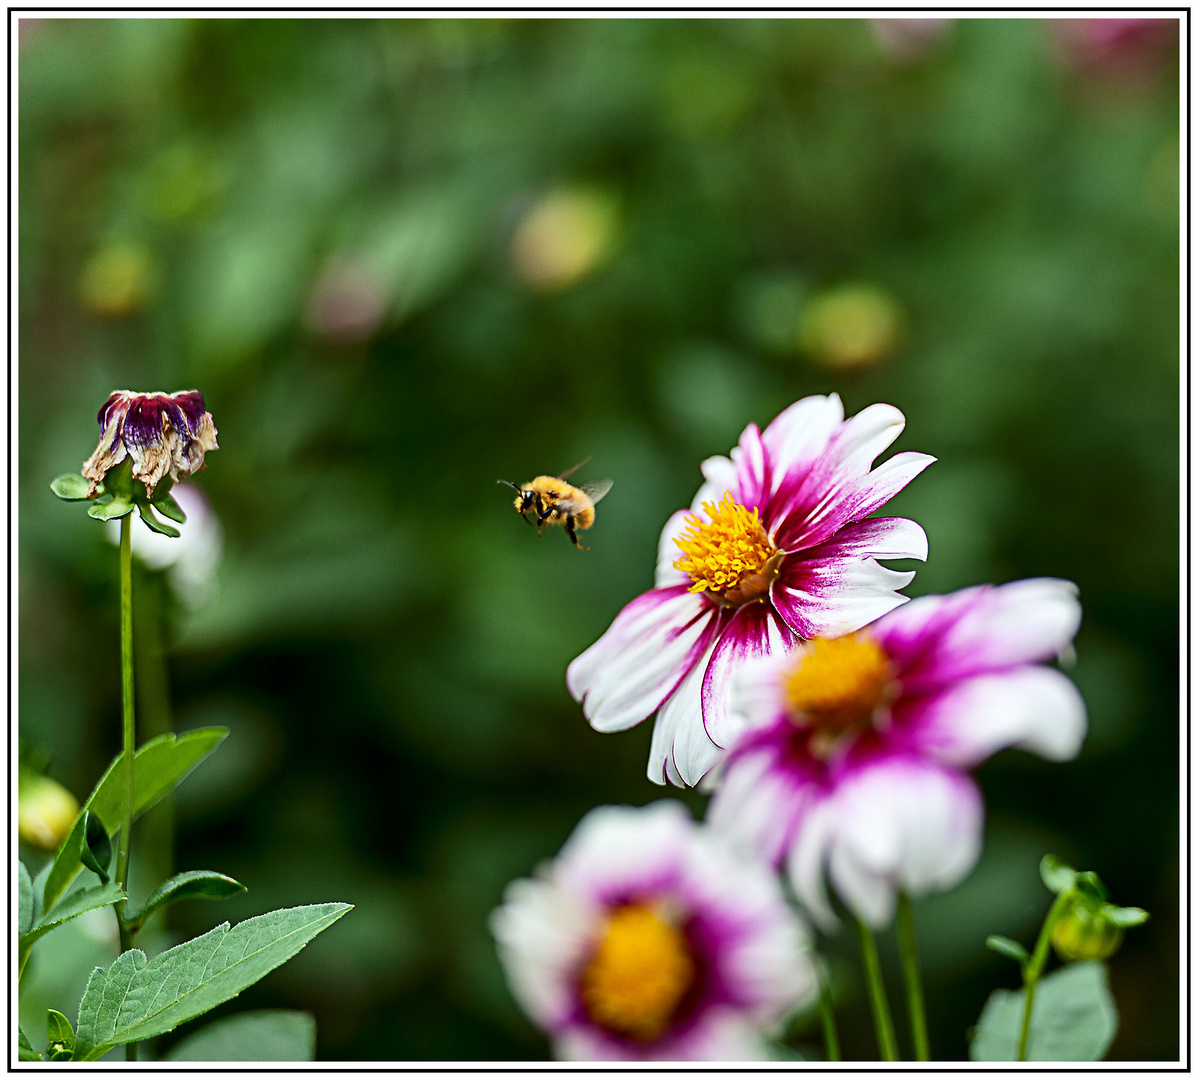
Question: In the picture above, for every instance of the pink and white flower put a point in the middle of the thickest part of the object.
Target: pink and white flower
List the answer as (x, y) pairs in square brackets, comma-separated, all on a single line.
[(773, 550), (855, 755), (649, 939)]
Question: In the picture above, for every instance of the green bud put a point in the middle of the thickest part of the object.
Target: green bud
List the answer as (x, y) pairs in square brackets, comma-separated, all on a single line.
[(1085, 931)]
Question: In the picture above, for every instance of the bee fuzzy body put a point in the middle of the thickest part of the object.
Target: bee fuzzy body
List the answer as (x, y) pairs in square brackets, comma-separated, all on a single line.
[(552, 501)]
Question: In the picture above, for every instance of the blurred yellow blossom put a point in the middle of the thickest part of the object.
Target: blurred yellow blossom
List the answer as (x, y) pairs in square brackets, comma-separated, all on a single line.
[(563, 237)]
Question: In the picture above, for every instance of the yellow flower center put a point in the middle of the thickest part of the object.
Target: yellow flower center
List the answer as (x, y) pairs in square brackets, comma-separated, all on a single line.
[(838, 684), (731, 557), (639, 974)]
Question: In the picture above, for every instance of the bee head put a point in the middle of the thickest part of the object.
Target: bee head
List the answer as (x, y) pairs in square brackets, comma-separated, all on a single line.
[(526, 497)]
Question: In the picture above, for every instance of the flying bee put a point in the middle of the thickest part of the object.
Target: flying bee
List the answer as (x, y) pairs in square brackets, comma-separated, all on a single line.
[(552, 501)]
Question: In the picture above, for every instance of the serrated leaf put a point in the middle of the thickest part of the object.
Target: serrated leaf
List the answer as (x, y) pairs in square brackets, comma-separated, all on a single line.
[(261, 1035), (72, 907), (116, 507), (24, 900), (1004, 946), (96, 850), (152, 522), (138, 998), (192, 885), (1073, 1019), (59, 1030), (166, 505), (1057, 874), (159, 766), (1125, 916), (25, 1052), (70, 486)]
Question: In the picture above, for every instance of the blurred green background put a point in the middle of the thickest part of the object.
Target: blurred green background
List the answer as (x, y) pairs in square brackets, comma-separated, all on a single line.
[(404, 258)]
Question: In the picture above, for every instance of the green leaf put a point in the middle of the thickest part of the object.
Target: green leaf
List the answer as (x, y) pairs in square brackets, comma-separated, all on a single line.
[(159, 766), (261, 1035), (72, 907), (165, 505), (192, 885), (59, 1030), (1124, 916), (1074, 1018), (70, 486), (1058, 875), (25, 1052), (138, 998), (107, 509), (151, 520), (1089, 883), (96, 850), (1004, 946), (25, 900)]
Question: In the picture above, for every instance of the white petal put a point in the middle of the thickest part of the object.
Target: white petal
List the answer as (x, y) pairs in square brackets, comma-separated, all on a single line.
[(805, 864), (800, 433), (622, 849), (631, 669), (542, 934), (1031, 707), (757, 688), (692, 753), (902, 824), (668, 552), (719, 475)]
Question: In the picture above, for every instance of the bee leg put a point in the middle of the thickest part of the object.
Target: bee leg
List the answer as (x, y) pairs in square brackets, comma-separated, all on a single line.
[(572, 535)]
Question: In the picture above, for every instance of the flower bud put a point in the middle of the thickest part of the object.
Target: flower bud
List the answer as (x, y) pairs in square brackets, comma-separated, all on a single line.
[(45, 811), (1085, 931), (160, 434)]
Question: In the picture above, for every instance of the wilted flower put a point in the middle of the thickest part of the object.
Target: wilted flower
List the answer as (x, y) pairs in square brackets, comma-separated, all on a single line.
[(45, 811), (649, 940), (774, 549), (161, 434), (857, 748)]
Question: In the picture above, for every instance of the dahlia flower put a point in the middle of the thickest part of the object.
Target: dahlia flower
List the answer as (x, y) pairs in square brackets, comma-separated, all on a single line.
[(648, 939), (773, 550), (856, 749), (161, 434)]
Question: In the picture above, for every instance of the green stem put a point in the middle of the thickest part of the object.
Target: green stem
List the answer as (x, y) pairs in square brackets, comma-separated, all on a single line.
[(883, 1024), (909, 955), (831, 1040), (128, 740), (156, 827), (1033, 968)]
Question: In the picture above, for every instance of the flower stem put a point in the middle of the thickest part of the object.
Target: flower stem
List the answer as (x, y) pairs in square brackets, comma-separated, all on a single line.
[(128, 741), (831, 1040), (883, 1024), (1033, 968), (909, 955)]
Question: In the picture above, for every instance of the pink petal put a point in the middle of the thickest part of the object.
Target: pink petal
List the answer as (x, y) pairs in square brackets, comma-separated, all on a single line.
[(984, 629), (642, 657), (752, 469), (755, 630), (1031, 707), (682, 752), (829, 591)]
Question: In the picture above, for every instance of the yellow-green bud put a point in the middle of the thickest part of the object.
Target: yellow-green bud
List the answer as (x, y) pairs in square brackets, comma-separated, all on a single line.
[(45, 812), (1084, 932)]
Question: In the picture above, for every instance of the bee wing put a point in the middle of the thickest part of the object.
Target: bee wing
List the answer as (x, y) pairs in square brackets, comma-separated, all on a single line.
[(574, 468), (596, 489)]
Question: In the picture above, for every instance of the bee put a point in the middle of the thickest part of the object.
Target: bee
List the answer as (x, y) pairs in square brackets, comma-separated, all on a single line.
[(555, 502)]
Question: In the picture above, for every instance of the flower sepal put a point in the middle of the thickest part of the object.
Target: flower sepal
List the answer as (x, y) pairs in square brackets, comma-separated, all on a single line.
[(71, 487)]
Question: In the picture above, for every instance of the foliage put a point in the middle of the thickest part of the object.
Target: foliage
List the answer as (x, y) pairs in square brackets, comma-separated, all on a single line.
[(263, 1035)]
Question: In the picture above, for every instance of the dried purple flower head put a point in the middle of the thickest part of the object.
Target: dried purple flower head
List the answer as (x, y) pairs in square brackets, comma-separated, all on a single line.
[(161, 434)]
